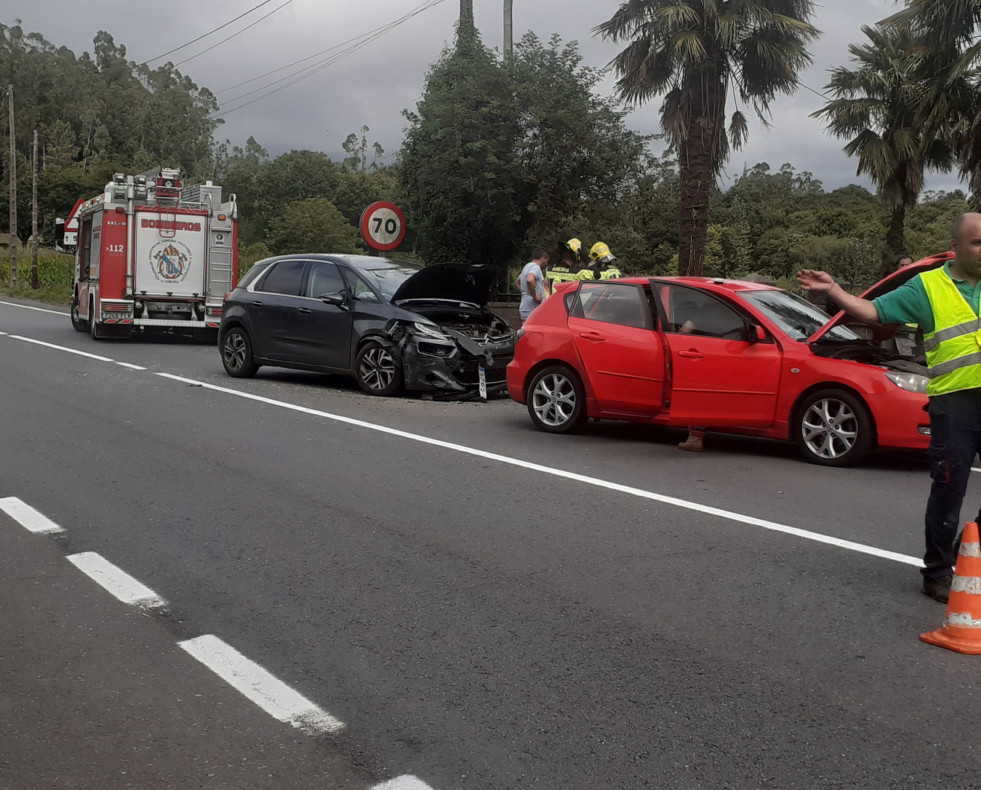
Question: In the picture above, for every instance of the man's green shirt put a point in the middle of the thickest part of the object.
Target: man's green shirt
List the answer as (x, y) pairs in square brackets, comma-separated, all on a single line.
[(909, 304)]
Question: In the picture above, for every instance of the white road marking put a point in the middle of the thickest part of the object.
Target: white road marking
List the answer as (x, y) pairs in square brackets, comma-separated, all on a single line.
[(116, 581), (28, 517), (402, 783), (630, 490), (63, 348), (38, 309), (728, 515), (265, 690), (129, 365)]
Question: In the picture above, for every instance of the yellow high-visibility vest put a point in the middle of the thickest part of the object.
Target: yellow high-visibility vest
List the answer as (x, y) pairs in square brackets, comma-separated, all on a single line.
[(953, 349)]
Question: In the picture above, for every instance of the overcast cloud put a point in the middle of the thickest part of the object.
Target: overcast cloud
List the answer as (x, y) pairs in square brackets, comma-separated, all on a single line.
[(374, 84)]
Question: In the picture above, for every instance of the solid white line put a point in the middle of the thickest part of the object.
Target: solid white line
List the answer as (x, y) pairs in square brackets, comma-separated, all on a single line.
[(584, 479), (27, 516), (402, 783), (118, 582), (38, 309), (268, 692), (62, 348), (637, 492)]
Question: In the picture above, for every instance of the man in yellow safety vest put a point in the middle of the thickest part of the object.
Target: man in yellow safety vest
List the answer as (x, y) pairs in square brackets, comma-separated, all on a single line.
[(944, 303)]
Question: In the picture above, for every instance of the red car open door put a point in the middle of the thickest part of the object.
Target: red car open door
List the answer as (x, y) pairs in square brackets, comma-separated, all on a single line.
[(612, 326), (721, 373)]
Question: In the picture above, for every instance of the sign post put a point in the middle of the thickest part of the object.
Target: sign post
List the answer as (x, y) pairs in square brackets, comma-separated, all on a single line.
[(383, 225)]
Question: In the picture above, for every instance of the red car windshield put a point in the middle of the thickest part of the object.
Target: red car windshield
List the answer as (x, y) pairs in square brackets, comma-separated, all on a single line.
[(795, 316)]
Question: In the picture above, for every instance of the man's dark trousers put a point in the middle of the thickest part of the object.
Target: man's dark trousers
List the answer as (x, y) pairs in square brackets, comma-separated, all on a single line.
[(955, 439)]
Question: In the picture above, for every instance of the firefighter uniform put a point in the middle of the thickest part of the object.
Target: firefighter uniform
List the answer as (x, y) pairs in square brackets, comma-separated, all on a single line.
[(603, 261)]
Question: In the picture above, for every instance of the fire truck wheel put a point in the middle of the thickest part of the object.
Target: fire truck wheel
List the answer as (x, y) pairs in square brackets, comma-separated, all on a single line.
[(77, 323), (236, 353), (378, 369)]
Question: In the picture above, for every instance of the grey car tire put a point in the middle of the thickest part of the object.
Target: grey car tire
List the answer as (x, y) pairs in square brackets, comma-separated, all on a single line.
[(236, 353), (557, 400), (378, 368), (833, 427)]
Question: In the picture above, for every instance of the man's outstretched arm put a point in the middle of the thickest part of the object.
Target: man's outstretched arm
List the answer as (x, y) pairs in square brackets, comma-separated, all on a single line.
[(856, 306)]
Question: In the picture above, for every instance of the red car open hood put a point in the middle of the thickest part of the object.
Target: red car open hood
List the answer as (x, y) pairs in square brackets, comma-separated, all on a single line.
[(885, 285)]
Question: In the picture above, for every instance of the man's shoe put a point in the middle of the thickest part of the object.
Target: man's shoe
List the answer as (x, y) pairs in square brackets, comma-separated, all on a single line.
[(692, 444), (938, 589)]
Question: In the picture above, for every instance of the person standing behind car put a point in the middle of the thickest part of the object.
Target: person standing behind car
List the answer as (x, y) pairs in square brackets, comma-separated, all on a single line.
[(566, 266), (532, 283), (944, 303), (603, 260)]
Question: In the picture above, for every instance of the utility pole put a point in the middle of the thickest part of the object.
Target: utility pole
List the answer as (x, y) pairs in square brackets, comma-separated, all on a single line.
[(34, 283), (466, 15), (13, 191), (508, 31)]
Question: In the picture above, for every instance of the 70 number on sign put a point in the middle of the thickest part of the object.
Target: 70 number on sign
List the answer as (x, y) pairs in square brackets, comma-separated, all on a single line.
[(383, 225)]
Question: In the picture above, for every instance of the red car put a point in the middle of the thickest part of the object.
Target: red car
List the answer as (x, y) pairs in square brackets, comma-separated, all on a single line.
[(734, 356)]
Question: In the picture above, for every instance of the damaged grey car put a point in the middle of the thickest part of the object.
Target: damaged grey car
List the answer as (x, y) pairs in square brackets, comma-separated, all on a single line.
[(394, 326)]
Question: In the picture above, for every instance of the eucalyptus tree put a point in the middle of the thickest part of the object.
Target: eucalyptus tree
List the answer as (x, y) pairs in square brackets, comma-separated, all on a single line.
[(695, 53), (876, 106)]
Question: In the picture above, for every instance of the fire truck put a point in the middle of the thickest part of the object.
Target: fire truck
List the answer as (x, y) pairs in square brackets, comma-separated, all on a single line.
[(152, 253)]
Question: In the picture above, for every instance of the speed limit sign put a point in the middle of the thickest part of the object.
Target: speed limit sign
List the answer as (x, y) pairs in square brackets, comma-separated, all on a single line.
[(383, 225)]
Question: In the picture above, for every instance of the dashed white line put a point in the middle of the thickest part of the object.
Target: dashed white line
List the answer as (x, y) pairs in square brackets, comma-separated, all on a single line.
[(116, 581), (261, 687), (28, 517), (403, 783)]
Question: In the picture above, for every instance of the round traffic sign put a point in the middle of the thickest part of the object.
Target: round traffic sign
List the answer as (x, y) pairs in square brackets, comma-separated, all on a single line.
[(383, 225)]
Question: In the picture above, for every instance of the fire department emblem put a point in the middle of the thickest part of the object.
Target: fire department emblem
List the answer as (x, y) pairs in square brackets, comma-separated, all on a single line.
[(170, 261)]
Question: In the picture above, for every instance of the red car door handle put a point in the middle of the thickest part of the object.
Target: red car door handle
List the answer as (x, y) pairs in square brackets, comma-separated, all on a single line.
[(592, 336), (691, 354)]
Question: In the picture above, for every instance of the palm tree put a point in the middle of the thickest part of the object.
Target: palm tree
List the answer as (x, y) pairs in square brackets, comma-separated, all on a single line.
[(949, 97), (694, 52), (879, 106)]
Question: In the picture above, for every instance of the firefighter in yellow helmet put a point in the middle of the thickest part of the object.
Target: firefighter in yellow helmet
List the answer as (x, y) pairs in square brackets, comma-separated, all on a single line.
[(568, 262), (603, 262)]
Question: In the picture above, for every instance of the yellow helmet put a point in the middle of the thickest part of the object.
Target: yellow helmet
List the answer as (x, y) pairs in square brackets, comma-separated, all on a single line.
[(600, 253), (574, 244)]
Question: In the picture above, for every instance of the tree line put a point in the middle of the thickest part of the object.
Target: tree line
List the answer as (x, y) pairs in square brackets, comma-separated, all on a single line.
[(499, 157)]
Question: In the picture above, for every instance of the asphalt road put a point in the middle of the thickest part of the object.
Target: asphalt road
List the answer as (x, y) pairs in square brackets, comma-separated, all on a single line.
[(481, 605)]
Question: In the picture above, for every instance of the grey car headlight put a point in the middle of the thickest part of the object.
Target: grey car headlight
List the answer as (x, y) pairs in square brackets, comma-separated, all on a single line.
[(430, 330), (911, 382)]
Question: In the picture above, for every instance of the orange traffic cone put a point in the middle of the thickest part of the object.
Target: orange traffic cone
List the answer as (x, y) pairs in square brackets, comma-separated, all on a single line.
[(961, 630)]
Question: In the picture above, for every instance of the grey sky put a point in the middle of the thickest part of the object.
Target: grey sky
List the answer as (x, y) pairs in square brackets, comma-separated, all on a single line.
[(374, 84)]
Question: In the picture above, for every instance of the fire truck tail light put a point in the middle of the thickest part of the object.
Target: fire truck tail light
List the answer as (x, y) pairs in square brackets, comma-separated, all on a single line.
[(109, 307), (222, 217), (214, 311), (227, 294)]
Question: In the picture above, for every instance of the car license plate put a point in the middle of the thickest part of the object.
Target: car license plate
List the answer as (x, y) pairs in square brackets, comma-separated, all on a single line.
[(482, 379)]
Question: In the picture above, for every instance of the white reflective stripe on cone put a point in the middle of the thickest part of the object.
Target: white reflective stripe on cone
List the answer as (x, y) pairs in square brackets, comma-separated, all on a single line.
[(966, 584), (961, 620), (970, 550)]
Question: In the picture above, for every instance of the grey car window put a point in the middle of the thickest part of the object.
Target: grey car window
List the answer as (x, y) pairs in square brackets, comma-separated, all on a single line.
[(285, 277), (614, 303), (324, 279), (693, 312)]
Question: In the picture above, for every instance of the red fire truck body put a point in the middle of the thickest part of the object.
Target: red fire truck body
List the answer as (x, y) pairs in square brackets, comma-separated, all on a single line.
[(153, 254)]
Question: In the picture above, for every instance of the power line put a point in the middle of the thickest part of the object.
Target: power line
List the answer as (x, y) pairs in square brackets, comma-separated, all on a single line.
[(194, 41), (352, 46), (233, 35)]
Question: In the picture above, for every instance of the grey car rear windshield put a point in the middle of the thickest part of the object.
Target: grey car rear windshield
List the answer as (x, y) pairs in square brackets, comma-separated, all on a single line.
[(385, 275), (795, 316)]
